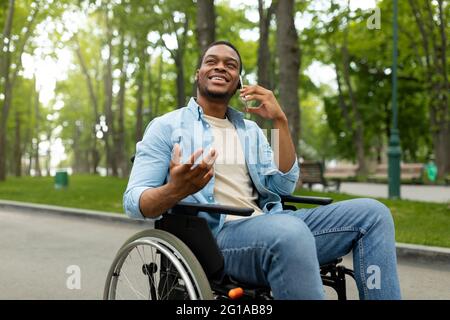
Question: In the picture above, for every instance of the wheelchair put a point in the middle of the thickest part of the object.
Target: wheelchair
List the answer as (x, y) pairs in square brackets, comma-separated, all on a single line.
[(180, 260)]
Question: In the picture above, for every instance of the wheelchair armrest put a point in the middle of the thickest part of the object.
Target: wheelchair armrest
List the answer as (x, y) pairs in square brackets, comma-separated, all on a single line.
[(306, 199), (193, 208)]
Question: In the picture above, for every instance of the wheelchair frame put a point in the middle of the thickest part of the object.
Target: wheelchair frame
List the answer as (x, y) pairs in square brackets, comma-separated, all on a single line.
[(193, 237)]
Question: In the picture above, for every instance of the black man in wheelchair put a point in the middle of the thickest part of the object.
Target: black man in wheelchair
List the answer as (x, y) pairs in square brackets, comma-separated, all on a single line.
[(207, 153)]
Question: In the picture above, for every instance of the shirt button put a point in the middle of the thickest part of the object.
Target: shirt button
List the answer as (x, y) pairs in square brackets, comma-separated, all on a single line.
[(207, 125), (210, 198)]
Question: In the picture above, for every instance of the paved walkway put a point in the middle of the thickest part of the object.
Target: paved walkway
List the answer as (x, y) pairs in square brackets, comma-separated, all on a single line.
[(407, 192), (38, 250)]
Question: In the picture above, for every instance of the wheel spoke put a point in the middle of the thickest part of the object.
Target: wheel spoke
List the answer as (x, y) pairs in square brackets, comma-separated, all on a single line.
[(136, 292), (163, 263)]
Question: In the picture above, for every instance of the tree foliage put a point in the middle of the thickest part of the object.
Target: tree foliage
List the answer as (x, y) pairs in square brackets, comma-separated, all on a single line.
[(131, 61)]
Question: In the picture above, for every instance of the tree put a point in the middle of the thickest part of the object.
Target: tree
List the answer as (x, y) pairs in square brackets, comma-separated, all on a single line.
[(206, 23), (175, 23), (23, 123), (358, 130), (135, 60), (19, 28), (37, 113), (8, 74), (431, 21), (94, 102), (205, 29), (264, 56), (108, 93), (289, 62)]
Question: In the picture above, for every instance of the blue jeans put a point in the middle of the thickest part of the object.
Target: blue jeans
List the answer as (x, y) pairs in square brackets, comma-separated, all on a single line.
[(284, 250)]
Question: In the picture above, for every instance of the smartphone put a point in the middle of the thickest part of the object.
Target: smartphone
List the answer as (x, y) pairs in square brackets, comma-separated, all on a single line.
[(241, 85)]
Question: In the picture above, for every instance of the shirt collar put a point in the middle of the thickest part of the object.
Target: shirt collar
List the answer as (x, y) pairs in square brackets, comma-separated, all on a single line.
[(231, 113), (195, 108)]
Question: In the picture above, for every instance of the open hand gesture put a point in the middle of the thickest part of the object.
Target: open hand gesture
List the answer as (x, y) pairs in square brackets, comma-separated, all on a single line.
[(188, 178)]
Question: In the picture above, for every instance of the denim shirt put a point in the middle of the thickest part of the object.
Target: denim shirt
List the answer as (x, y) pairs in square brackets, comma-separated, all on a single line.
[(187, 127)]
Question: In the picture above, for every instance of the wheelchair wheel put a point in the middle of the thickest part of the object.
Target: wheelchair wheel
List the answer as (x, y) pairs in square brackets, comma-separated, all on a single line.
[(156, 265)]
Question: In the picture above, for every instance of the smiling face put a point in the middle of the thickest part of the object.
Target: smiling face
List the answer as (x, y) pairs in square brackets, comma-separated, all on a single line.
[(218, 76)]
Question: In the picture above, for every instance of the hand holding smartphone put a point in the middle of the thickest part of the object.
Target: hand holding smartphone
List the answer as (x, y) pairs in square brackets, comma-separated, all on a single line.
[(242, 98)]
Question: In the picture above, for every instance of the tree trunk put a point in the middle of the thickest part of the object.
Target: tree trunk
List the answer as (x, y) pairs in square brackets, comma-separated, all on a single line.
[(140, 94), (181, 95), (178, 57), (49, 153), (6, 35), (441, 141), (445, 164), (264, 78), (7, 87), (264, 75), (94, 101), (37, 115), (3, 124), (8, 78), (28, 141), (289, 60), (77, 153), (358, 132), (30, 161), (206, 29), (342, 105), (151, 102), (120, 134), (206, 23), (17, 147), (109, 135), (158, 88)]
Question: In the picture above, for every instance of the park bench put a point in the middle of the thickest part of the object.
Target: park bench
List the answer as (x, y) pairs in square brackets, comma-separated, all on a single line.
[(408, 172), (341, 172), (312, 172)]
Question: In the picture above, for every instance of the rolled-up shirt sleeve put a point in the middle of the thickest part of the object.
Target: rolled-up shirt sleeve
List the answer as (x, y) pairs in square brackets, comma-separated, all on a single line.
[(282, 183), (150, 167)]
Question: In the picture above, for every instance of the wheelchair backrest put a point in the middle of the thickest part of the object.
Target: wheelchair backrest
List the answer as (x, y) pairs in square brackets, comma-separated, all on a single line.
[(195, 233)]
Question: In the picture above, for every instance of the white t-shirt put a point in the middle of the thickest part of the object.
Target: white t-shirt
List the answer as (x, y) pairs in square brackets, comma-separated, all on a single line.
[(233, 186)]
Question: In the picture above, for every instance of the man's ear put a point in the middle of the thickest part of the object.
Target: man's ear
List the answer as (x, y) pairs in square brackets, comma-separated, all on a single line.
[(196, 76)]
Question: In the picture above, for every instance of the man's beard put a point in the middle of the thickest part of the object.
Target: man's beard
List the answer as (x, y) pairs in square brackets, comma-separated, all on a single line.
[(217, 96)]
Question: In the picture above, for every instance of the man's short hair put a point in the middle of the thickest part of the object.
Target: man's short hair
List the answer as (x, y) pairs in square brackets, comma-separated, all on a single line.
[(226, 43)]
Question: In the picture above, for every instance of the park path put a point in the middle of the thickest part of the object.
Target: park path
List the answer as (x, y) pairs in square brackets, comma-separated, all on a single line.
[(407, 192), (36, 250)]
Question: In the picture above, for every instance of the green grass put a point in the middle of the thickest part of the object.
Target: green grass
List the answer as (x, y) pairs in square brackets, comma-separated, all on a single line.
[(86, 192), (415, 222)]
